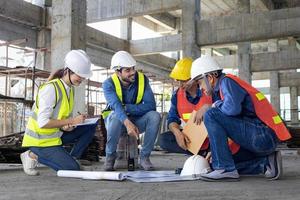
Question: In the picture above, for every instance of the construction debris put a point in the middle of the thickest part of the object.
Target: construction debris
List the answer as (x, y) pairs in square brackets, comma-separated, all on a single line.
[(11, 146)]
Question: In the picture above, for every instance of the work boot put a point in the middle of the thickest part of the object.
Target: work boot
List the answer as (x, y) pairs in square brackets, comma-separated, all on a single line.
[(29, 164), (221, 175), (85, 162), (109, 163), (121, 161), (274, 169), (146, 164)]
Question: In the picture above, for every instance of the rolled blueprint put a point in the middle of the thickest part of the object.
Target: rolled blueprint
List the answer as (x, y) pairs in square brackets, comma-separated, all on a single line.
[(92, 175)]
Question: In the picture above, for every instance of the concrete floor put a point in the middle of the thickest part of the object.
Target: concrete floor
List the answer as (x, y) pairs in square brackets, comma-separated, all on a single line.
[(14, 184)]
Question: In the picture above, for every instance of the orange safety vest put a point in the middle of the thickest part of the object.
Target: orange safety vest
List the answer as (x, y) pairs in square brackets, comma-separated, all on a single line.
[(263, 109), (185, 108)]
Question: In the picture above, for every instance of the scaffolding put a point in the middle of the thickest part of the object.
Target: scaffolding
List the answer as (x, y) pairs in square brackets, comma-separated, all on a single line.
[(14, 110)]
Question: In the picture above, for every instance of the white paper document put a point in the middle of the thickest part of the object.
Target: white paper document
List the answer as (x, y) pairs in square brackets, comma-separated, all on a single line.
[(89, 121), (136, 176), (157, 176)]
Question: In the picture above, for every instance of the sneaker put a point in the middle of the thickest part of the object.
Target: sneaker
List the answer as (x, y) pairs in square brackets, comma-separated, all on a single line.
[(221, 175), (146, 164), (274, 169), (109, 163), (29, 164)]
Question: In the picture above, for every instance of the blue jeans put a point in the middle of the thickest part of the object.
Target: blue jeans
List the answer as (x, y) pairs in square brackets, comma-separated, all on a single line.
[(57, 158), (257, 141), (167, 141), (148, 123)]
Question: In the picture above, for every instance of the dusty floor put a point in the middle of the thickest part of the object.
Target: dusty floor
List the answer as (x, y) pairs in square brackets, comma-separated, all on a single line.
[(14, 184)]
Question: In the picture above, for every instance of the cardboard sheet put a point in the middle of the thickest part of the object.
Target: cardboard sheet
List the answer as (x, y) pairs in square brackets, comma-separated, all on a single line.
[(196, 133)]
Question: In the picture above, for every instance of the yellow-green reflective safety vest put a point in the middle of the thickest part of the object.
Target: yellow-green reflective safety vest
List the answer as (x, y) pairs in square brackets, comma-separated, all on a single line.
[(118, 88), (44, 137)]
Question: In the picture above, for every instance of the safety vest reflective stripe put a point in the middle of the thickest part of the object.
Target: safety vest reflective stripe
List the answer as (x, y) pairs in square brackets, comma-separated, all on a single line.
[(186, 116), (141, 82), (263, 109), (39, 136), (105, 113), (58, 101), (276, 119), (118, 88)]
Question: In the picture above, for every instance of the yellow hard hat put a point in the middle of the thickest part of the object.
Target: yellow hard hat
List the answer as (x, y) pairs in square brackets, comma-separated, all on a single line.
[(182, 69)]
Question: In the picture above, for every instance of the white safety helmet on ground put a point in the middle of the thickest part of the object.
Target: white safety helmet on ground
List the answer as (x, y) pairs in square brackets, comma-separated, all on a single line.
[(195, 165), (79, 63), (204, 65), (122, 59)]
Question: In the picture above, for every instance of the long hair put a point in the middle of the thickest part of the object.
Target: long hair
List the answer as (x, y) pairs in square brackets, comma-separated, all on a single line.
[(57, 74)]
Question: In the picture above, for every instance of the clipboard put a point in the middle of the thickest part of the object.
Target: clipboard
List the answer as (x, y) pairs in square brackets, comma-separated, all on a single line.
[(196, 133), (89, 121)]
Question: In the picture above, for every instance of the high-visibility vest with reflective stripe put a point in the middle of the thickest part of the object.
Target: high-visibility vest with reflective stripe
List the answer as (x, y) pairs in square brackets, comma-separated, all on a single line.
[(263, 109), (185, 108), (44, 137), (118, 88)]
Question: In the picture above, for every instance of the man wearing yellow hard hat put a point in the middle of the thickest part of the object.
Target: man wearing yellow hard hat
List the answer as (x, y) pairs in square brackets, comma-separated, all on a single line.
[(184, 100)]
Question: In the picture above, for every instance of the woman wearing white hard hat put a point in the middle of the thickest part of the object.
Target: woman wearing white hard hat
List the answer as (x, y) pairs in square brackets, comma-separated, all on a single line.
[(51, 126), (242, 114)]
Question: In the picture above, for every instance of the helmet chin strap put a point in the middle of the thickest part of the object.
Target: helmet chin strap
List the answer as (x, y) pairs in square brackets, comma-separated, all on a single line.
[(209, 88), (69, 72)]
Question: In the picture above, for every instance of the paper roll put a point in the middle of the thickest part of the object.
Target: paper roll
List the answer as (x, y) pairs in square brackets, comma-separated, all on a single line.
[(92, 175)]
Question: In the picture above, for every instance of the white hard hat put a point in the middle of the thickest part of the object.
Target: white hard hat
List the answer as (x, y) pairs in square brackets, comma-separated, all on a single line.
[(79, 62), (204, 65), (122, 59), (195, 165)]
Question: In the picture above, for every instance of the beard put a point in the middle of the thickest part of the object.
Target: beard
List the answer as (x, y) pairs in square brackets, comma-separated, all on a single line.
[(129, 79)]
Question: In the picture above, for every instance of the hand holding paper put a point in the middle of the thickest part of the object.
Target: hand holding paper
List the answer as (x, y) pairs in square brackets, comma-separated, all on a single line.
[(196, 134)]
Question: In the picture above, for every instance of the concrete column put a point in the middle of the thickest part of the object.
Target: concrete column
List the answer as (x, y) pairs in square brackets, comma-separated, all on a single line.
[(292, 42), (244, 48), (274, 78), (294, 104), (68, 32), (43, 60), (126, 28), (43, 55), (244, 61), (189, 47), (293, 90)]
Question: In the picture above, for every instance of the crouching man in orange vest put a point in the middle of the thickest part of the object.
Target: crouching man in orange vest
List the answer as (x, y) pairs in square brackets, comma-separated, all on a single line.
[(184, 100), (243, 114)]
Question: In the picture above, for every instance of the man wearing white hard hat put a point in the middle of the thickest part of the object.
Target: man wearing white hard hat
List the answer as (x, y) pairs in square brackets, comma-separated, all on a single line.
[(131, 108), (242, 114), (51, 125)]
